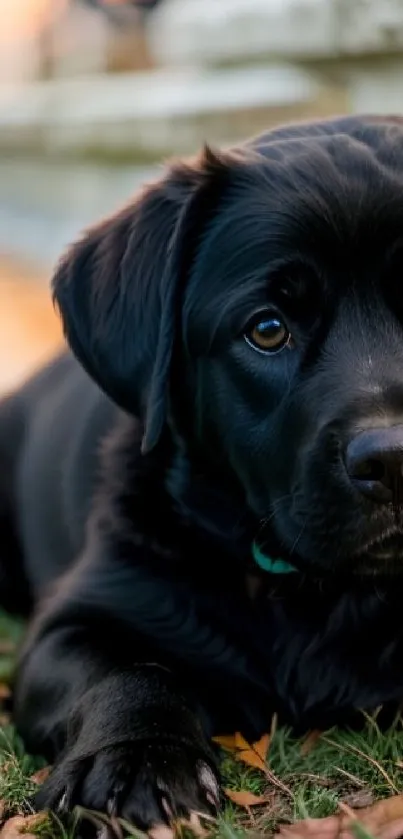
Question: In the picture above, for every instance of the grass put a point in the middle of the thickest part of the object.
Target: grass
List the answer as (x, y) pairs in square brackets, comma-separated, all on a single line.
[(343, 766), (340, 766)]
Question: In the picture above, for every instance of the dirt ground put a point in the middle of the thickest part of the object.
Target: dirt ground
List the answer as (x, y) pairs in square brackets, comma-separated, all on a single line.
[(29, 327)]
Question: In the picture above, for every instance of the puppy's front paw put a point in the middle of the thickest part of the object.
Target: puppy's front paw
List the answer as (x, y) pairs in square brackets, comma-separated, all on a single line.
[(147, 784)]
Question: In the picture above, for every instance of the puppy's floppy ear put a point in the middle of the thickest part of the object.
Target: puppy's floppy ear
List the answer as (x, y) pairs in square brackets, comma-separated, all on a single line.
[(118, 289)]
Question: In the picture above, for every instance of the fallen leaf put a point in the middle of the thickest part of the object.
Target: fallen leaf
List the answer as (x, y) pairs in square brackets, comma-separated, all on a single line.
[(240, 742), (251, 758), (314, 829), (311, 829), (253, 754), (262, 746), (393, 831), (310, 742), (41, 775), (243, 798), (383, 812), (25, 826), (383, 820), (226, 742)]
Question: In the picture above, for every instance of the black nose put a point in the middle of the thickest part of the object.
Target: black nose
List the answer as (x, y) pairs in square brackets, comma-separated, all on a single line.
[(374, 463)]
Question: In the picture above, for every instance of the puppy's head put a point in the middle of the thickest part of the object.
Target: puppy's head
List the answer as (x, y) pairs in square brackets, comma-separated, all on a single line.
[(252, 301)]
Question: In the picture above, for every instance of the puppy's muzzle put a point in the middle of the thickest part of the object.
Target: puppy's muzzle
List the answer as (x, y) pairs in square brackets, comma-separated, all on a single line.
[(374, 464)]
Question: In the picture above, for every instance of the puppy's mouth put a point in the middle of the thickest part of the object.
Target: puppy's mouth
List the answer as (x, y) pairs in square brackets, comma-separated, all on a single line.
[(383, 556), (380, 557)]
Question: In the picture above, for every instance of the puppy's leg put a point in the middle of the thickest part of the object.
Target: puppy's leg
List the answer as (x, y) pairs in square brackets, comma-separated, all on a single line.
[(14, 589), (95, 694)]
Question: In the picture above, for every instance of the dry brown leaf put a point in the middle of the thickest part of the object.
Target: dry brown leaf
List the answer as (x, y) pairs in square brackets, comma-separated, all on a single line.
[(240, 742), (246, 799), (261, 747), (392, 831), (227, 741), (310, 742), (311, 829), (41, 775), (251, 758), (383, 812), (253, 754), (20, 826), (383, 820)]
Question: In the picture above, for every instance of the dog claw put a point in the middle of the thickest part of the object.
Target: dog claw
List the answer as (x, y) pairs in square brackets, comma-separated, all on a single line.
[(167, 809), (212, 800), (209, 783)]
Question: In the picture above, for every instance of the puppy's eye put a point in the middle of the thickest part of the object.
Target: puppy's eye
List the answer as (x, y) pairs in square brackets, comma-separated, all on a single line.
[(268, 334)]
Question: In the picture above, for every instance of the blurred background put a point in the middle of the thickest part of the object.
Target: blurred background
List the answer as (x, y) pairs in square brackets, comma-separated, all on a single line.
[(94, 94)]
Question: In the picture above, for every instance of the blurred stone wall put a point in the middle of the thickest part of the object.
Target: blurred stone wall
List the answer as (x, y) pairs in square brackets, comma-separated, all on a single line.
[(110, 98)]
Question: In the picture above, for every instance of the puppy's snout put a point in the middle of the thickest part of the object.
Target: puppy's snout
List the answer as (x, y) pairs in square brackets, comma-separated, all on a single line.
[(374, 463)]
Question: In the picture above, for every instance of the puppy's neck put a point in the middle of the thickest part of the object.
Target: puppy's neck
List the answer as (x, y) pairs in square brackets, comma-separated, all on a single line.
[(209, 500)]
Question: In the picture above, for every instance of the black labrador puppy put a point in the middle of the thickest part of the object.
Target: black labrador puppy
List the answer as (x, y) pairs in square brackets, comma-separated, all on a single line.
[(204, 501)]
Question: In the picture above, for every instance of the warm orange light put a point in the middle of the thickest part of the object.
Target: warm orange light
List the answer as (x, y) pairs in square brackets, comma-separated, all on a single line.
[(22, 18)]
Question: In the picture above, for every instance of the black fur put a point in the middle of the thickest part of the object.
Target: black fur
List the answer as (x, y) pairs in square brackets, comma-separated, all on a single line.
[(129, 504)]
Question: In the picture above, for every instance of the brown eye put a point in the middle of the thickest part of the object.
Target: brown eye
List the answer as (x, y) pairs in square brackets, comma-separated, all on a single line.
[(268, 335)]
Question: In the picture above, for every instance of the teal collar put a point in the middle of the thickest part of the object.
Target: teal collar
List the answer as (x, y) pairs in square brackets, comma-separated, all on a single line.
[(266, 563)]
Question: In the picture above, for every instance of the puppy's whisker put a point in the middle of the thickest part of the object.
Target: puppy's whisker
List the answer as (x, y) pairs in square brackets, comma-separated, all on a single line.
[(298, 538), (274, 507)]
